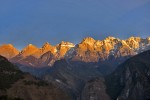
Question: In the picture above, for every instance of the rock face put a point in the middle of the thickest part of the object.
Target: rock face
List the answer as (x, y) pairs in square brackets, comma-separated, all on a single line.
[(71, 75), (40, 57), (76, 79), (44, 49), (8, 51), (131, 80), (25, 56), (90, 50), (94, 90), (106, 54), (16, 85), (63, 47), (28, 50)]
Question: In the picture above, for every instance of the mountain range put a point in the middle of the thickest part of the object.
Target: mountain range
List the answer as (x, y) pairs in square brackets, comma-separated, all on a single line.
[(78, 81), (106, 54)]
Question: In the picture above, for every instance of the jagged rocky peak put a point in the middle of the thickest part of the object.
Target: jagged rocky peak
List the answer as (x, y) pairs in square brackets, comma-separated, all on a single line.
[(88, 40), (28, 50), (30, 47), (98, 43), (124, 44), (148, 38), (90, 50), (45, 48), (46, 45), (123, 49), (63, 47), (8, 51), (134, 42), (87, 44), (107, 43), (66, 44), (134, 38), (110, 38)]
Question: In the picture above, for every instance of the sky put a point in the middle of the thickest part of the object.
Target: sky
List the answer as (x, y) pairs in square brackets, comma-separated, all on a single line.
[(24, 22)]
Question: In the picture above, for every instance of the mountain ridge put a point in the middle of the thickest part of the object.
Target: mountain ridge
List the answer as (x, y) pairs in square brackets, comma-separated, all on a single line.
[(88, 50), (8, 50), (77, 70)]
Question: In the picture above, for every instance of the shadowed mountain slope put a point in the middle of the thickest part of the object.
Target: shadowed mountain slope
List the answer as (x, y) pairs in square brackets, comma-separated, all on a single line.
[(131, 80), (16, 85)]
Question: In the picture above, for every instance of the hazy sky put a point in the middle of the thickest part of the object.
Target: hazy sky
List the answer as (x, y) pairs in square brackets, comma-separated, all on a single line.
[(38, 21)]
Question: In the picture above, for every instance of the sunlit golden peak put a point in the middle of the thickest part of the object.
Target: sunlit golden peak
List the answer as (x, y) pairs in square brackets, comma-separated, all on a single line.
[(9, 45), (46, 45), (148, 38), (133, 38), (88, 40), (30, 44), (111, 37), (66, 44)]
